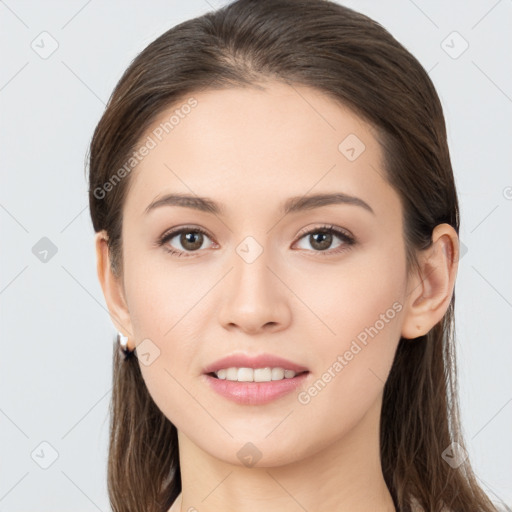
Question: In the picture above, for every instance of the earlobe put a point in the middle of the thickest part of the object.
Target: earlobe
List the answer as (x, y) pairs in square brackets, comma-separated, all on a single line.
[(112, 287), (430, 291)]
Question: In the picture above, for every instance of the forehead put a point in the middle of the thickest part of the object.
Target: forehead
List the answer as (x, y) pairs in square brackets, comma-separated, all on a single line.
[(252, 148)]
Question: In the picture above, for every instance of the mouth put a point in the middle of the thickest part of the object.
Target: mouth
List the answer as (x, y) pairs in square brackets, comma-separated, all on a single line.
[(256, 389), (254, 379), (266, 374)]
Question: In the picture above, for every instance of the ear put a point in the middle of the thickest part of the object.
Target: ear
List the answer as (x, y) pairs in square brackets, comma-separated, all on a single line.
[(112, 287), (430, 291)]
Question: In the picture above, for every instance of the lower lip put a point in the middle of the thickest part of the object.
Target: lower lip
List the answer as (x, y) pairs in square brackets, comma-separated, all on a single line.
[(255, 393)]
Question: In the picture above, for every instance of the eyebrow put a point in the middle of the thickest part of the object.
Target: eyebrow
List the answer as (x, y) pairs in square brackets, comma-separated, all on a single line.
[(291, 205)]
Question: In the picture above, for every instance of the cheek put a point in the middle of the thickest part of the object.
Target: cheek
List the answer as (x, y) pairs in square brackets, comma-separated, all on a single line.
[(166, 309), (162, 294), (353, 365), (360, 300), (362, 309)]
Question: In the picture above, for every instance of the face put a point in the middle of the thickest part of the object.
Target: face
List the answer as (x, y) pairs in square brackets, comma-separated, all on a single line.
[(320, 284)]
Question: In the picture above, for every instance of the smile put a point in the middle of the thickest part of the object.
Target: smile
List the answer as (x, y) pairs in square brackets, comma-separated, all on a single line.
[(254, 374)]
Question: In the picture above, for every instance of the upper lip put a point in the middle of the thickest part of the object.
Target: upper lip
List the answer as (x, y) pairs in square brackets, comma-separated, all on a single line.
[(256, 361)]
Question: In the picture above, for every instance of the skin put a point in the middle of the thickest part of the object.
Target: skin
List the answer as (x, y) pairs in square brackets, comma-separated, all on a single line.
[(250, 150)]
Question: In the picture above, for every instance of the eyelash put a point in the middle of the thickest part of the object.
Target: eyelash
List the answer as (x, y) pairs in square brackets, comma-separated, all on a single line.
[(348, 240)]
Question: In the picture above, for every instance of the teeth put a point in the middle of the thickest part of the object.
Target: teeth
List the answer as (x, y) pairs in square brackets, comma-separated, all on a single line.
[(264, 375), (232, 374), (245, 374), (277, 373), (254, 375)]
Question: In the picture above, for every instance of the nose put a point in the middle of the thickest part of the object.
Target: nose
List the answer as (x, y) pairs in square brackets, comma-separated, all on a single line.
[(254, 298)]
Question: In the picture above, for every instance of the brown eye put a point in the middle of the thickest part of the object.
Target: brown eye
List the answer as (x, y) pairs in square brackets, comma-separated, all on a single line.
[(188, 240), (191, 240), (322, 238)]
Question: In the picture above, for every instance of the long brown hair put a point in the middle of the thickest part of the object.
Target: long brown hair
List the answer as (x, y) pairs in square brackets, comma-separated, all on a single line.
[(354, 60)]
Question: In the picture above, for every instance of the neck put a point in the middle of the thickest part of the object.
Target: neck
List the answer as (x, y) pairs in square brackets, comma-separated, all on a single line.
[(342, 477)]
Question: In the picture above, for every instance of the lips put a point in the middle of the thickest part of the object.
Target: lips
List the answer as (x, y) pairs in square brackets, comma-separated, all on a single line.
[(256, 393), (257, 361), (247, 391)]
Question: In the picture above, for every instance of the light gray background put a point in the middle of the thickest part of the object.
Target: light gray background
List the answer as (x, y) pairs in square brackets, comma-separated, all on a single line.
[(55, 329)]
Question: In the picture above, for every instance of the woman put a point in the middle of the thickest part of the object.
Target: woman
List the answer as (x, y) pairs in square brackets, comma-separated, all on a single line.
[(277, 238)]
